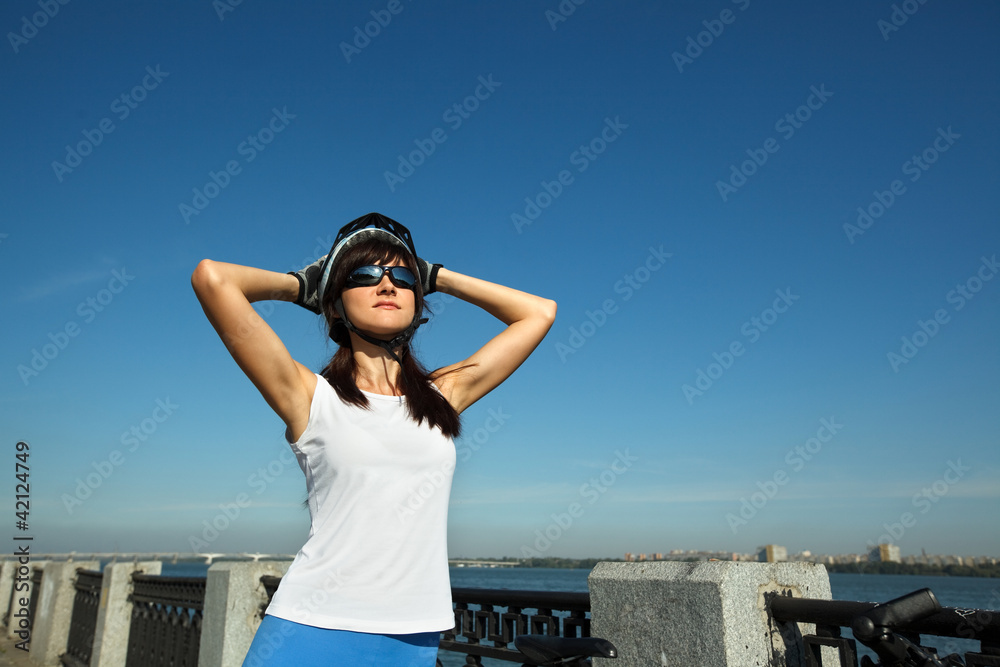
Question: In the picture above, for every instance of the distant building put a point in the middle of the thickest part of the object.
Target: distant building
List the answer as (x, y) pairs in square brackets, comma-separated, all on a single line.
[(772, 553), (885, 553)]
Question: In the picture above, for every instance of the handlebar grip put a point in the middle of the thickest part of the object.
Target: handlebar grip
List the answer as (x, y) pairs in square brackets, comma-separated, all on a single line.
[(905, 609)]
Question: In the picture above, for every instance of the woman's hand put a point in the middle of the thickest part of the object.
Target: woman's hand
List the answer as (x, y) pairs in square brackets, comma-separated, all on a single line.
[(428, 275), (528, 319), (308, 295)]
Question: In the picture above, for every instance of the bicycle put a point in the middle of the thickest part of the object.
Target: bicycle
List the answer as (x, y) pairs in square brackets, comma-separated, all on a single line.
[(551, 651), (875, 629)]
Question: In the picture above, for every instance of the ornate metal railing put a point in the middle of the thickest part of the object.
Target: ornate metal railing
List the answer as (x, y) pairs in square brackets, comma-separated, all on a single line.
[(36, 592), (83, 623), (488, 620), (830, 616), (166, 621), (270, 583), (10, 603)]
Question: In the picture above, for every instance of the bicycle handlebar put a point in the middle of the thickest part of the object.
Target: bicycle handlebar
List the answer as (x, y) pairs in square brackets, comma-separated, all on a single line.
[(875, 629), (900, 611)]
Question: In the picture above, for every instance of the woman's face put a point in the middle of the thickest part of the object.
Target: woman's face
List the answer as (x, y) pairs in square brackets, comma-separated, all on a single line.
[(382, 310)]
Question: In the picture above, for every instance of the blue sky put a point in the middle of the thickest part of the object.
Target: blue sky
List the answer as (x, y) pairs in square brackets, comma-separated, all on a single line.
[(741, 355)]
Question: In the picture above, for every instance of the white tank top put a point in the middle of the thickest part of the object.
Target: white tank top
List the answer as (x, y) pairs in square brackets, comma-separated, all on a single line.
[(376, 559)]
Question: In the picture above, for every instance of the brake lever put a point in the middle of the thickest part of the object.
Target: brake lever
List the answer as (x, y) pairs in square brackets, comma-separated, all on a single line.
[(875, 629)]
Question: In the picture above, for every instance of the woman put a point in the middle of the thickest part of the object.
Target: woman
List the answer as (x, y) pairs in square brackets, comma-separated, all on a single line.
[(370, 586)]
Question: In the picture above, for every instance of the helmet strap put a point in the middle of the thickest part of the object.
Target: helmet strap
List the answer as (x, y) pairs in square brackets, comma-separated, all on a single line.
[(389, 346)]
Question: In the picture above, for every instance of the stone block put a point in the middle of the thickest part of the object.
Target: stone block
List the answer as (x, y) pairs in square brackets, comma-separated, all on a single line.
[(114, 616), (233, 599), (710, 614), (54, 611)]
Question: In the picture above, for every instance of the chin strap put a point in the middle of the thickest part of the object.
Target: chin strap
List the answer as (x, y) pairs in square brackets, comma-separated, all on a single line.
[(389, 346)]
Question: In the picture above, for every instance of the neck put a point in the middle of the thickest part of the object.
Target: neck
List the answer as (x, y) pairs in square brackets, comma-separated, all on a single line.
[(377, 371)]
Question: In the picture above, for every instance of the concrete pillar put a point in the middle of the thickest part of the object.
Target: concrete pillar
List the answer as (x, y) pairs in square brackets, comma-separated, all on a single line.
[(710, 614), (114, 616), (50, 629), (8, 570), (233, 598), (20, 621)]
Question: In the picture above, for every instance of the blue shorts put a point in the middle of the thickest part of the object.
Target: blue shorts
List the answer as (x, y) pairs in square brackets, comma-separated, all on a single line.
[(282, 643)]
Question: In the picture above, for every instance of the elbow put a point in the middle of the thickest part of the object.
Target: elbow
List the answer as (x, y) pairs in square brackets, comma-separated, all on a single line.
[(548, 311), (205, 275)]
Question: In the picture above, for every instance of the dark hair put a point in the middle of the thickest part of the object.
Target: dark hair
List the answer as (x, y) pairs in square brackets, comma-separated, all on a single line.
[(423, 400)]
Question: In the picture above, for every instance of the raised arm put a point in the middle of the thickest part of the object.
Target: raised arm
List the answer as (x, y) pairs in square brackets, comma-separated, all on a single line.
[(528, 319), (226, 292)]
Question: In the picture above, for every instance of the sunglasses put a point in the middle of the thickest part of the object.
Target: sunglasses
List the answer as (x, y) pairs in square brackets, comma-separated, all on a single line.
[(366, 276)]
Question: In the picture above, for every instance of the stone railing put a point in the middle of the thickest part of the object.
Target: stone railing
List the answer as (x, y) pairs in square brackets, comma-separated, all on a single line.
[(659, 613)]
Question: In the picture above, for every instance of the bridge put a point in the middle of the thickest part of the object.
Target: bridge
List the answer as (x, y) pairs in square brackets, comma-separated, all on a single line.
[(483, 563), (207, 558)]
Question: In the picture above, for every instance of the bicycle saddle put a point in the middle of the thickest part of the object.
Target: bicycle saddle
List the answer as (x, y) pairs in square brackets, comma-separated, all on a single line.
[(546, 648)]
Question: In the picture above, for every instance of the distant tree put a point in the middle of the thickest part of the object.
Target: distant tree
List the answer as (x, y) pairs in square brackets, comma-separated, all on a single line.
[(878, 567)]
